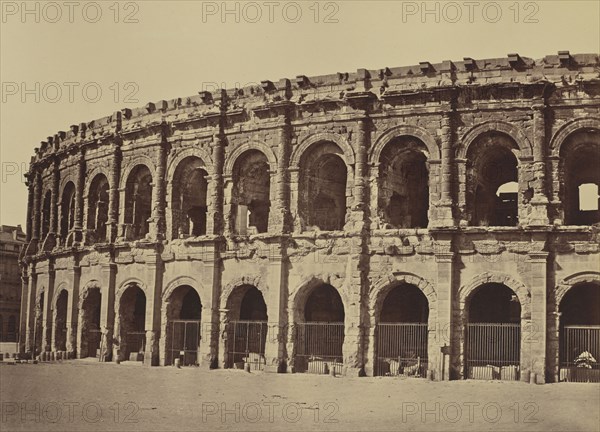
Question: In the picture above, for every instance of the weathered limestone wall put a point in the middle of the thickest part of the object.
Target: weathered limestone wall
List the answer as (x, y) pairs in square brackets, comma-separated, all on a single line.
[(453, 112)]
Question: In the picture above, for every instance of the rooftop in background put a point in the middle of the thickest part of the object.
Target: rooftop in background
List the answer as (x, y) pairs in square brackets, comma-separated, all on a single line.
[(12, 234)]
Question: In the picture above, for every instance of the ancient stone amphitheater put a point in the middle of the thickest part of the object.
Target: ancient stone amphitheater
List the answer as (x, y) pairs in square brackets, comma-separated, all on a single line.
[(436, 220)]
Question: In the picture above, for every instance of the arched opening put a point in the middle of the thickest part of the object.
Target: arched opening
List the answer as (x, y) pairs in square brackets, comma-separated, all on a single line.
[(91, 336), (323, 178), (138, 202), (251, 193), (67, 212), (38, 325), (11, 335), (188, 200), (247, 328), (320, 332), (404, 183), (580, 159), (579, 340), (132, 324), (97, 212), (493, 334), (46, 205), (492, 172), (60, 321), (184, 313), (401, 340)]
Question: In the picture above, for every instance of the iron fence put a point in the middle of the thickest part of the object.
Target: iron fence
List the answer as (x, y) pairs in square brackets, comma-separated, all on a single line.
[(246, 344), (579, 353), (319, 347), (401, 349), (136, 343), (492, 351), (184, 341)]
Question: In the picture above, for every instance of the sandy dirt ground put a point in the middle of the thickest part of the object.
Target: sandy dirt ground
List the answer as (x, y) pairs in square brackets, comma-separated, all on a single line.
[(84, 395)]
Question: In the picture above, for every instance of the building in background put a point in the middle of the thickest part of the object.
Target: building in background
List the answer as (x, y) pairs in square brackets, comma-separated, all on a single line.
[(12, 240)]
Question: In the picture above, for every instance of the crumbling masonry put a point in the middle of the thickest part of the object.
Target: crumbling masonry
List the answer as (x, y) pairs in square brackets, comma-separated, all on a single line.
[(436, 195)]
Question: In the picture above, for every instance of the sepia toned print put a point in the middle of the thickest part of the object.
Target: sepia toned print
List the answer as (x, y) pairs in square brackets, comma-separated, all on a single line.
[(411, 246)]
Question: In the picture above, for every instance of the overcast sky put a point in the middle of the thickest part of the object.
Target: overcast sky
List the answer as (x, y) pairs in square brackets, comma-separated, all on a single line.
[(166, 49)]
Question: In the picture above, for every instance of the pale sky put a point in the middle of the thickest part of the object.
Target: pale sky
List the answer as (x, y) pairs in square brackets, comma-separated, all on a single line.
[(176, 50)]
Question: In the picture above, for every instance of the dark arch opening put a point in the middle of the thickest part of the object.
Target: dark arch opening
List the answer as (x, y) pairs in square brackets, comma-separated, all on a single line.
[(491, 166), (405, 303), (184, 313), (493, 334), (494, 303), (132, 313), (579, 337), (60, 322), (138, 202), (324, 304), (46, 214), (67, 209), (580, 159), (404, 183), (247, 330), (402, 333), (90, 322), (189, 198), (251, 193), (323, 187), (97, 209)]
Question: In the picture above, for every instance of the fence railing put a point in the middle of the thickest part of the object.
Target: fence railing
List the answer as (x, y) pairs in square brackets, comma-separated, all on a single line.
[(579, 353), (184, 341), (493, 351), (319, 347), (246, 344), (401, 349)]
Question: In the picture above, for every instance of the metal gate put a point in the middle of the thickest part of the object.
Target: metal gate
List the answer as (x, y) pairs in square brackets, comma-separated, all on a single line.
[(580, 353), (184, 341), (493, 351), (93, 342), (136, 343), (246, 344), (319, 347), (401, 349)]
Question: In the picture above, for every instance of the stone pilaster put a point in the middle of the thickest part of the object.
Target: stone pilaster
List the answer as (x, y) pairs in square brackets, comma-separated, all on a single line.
[(73, 312), (153, 308), (30, 198), (539, 201), (535, 334), (277, 326), (107, 311), (215, 186), (157, 220), (78, 222), (36, 223), (443, 213), (30, 310), (113, 194), (279, 214), (440, 346)]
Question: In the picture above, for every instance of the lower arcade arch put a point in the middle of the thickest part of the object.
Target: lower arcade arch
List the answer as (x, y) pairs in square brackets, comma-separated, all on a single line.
[(132, 324), (89, 323), (183, 329), (319, 336), (579, 334), (60, 321), (402, 333), (246, 328), (493, 334)]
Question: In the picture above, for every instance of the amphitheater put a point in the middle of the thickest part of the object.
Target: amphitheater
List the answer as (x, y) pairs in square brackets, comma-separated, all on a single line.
[(438, 220)]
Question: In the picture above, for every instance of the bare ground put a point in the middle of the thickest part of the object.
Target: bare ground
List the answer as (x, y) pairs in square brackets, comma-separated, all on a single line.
[(84, 395)]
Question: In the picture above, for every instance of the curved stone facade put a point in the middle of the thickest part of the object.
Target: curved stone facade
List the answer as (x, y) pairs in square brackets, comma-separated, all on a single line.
[(364, 181)]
